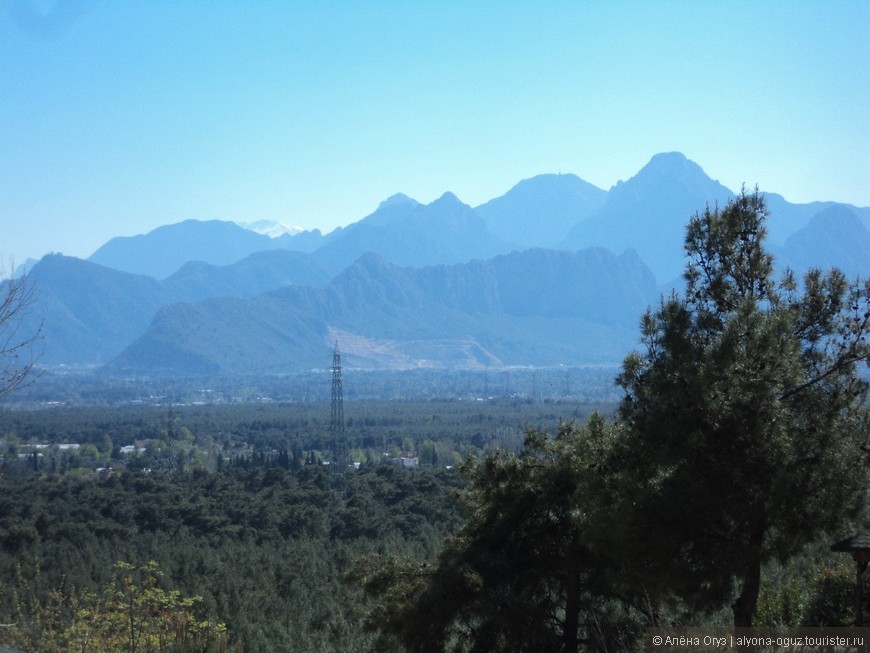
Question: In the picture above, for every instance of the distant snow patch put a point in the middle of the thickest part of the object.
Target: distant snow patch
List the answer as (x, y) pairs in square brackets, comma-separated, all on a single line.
[(270, 228)]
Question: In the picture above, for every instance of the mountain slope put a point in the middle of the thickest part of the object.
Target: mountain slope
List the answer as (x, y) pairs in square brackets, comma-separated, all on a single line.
[(410, 234), (253, 275), (594, 284), (539, 212), (478, 314), (787, 218), (91, 312), (161, 252), (649, 213), (835, 237)]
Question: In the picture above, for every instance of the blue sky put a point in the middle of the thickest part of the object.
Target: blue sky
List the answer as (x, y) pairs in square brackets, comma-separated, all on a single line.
[(119, 116)]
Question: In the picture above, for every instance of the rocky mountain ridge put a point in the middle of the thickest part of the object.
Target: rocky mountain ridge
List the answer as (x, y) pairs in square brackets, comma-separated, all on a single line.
[(442, 284)]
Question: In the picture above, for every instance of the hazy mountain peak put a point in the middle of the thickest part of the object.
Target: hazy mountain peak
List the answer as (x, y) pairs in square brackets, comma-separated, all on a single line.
[(396, 200), (448, 199), (835, 237), (552, 180), (552, 189), (669, 174), (649, 212), (541, 210), (834, 227), (837, 219), (671, 166), (370, 260), (669, 159), (163, 250)]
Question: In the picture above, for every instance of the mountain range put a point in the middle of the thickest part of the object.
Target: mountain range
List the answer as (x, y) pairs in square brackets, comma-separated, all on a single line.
[(556, 271), (536, 307)]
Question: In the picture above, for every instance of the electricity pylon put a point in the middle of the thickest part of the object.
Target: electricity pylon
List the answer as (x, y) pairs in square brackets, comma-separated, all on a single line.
[(339, 461)]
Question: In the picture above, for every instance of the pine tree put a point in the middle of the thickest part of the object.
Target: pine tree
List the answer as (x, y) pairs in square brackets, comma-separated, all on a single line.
[(745, 416), (520, 575)]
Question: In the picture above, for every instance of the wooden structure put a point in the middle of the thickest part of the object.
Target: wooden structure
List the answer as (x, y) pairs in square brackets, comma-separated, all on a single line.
[(859, 546)]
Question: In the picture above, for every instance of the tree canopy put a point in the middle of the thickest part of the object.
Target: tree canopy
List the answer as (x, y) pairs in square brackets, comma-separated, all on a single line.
[(521, 575), (745, 422)]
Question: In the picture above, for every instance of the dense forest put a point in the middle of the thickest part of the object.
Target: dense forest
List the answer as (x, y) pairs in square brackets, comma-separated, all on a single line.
[(251, 524), (234, 505), (167, 436), (266, 549)]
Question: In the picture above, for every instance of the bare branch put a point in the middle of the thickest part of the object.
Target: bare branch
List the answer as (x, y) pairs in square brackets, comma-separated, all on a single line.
[(17, 343)]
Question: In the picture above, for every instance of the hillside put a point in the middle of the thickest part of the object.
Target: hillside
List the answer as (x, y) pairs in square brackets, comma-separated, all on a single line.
[(468, 315), (90, 313), (161, 252), (835, 237), (539, 212), (410, 234), (649, 213)]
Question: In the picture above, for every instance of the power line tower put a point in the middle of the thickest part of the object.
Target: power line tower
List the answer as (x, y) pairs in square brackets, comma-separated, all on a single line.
[(339, 462)]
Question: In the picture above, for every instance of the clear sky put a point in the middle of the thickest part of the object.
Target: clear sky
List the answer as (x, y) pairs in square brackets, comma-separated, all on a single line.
[(117, 116)]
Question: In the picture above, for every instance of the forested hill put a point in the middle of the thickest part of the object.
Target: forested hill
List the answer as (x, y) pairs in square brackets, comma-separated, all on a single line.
[(537, 307)]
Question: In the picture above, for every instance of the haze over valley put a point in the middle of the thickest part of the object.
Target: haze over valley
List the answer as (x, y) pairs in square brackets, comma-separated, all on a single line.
[(554, 272)]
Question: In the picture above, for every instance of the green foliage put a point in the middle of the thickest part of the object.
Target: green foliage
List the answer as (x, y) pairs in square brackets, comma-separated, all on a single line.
[(37, 610), (814, 592), (264, 541), (190, 437), (132, 614), (745, 417), (831, 600), (267, 549), (520, 575)]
